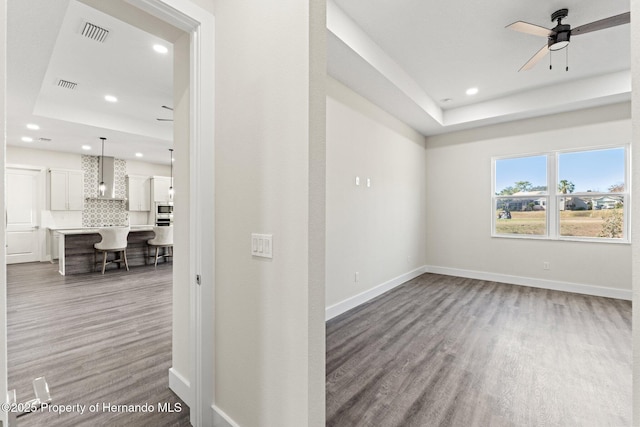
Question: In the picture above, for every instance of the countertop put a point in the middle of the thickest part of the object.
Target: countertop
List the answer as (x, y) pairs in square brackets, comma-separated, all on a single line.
[(94, 230)]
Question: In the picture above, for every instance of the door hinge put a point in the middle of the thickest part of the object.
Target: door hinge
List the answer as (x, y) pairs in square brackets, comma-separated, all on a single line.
[(198, 281)]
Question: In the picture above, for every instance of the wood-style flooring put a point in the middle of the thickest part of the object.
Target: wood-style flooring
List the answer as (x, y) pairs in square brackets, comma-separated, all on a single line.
[(97, 339), (449, 351)]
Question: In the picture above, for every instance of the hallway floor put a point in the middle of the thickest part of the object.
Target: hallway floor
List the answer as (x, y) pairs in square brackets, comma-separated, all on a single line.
[(98, 340)]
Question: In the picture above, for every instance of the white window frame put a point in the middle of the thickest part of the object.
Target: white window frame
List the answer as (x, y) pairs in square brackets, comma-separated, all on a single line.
[(553, 196)]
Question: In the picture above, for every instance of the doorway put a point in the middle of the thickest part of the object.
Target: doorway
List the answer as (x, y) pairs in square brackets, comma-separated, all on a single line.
[(69, 306), (197, 22), (23, 214)]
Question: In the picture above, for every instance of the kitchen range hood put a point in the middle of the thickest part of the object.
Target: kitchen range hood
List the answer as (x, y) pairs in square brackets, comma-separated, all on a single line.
[(107, 174)]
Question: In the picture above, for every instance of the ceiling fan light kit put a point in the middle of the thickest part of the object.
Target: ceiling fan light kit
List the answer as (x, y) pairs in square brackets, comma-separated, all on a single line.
[(562, 32), (559, 37)]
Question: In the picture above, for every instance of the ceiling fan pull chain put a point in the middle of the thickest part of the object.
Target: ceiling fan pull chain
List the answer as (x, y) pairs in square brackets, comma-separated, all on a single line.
[(567, 58), (550, 54)]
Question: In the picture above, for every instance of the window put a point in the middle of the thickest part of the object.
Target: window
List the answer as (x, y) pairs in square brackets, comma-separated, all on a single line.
[(587, 201), (521, 196)]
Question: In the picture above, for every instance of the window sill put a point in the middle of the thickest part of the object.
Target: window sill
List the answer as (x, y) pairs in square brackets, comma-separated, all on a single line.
[(563, 239)]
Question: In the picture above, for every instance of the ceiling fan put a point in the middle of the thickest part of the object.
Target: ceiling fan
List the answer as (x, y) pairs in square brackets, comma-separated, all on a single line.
[(559, 36), (166, 120)]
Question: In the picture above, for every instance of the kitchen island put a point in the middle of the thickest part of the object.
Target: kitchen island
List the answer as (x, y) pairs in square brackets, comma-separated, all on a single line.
[(76, 252)]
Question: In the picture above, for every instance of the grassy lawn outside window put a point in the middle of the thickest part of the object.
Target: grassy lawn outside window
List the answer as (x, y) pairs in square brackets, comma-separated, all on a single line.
[(588, 199)]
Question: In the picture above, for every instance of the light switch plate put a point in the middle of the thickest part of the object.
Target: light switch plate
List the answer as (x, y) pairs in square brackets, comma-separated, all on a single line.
[(262, 245)]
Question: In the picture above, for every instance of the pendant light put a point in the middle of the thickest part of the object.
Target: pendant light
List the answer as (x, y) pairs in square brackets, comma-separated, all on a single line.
[(102, 187), (171, 192)]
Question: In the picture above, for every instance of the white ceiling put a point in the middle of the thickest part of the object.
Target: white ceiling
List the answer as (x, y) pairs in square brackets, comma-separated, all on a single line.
[(45, 45), (407, 56)]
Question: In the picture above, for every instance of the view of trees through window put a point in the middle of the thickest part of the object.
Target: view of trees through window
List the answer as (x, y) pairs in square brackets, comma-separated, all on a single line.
[(587, 200)]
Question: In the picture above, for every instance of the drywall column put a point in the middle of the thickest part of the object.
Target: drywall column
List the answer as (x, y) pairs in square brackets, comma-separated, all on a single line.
[(181, 275), (635, 210), (269, 175), (316, 361)]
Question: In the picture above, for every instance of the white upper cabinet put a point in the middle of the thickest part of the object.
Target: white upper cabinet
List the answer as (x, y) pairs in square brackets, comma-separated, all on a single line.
[(160, 189), (138, 193), (66, 190)]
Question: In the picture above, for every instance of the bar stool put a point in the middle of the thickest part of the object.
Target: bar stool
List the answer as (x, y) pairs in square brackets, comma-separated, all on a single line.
[(163, 239), (114, 239)]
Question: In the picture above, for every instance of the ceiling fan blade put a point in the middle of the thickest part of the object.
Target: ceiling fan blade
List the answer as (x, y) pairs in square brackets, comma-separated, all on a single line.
[(525, 27), (535, 58), (164, 120), (612, 21)]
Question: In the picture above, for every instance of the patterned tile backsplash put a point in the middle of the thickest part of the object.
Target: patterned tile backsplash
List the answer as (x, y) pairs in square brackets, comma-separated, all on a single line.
[(98, 213)]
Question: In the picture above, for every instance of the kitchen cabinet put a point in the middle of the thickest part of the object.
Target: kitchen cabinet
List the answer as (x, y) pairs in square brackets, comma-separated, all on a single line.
[(54, 244), (160, 189), (66, 190), (138, 193)]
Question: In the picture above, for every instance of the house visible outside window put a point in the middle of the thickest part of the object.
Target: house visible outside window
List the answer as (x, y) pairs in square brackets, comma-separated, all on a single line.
[(588, 199)]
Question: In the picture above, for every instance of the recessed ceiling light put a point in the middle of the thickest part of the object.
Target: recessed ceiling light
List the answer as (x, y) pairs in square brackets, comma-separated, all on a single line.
[(139, 154), (27, 139), (86, 147), (472, 91), (110, 98), (33, 126), (160, 49)]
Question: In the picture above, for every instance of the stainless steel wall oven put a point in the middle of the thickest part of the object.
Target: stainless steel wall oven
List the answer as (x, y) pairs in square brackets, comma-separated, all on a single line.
[(164, 214)]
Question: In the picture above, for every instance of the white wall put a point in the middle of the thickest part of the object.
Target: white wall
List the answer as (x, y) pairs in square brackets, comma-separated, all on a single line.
[(48, 159), (60, 160), (181, 268), (377, 231), (459, 201), (205, 4), (635, 217), (43, 158), (135, 167), (269, 337), (54, 159), (3, 160)]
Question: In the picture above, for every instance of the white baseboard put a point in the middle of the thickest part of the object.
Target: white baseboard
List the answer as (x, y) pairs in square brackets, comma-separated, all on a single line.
[(180, 386), (556, 285), (578, 288), (220, 419), (361, 298)]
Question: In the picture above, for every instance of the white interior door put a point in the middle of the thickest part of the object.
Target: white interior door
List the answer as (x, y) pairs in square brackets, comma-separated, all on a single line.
[(23, 221)]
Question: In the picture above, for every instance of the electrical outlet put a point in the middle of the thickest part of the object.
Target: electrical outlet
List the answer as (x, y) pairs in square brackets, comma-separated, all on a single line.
[(546, 266)]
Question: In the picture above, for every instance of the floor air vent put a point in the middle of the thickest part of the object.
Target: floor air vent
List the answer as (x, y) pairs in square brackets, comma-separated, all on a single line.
[(67, 84), (94, 32)]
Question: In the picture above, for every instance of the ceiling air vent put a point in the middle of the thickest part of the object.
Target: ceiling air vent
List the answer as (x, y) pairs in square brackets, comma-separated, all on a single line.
[(67, 84), (44, 139), (94, 32)]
